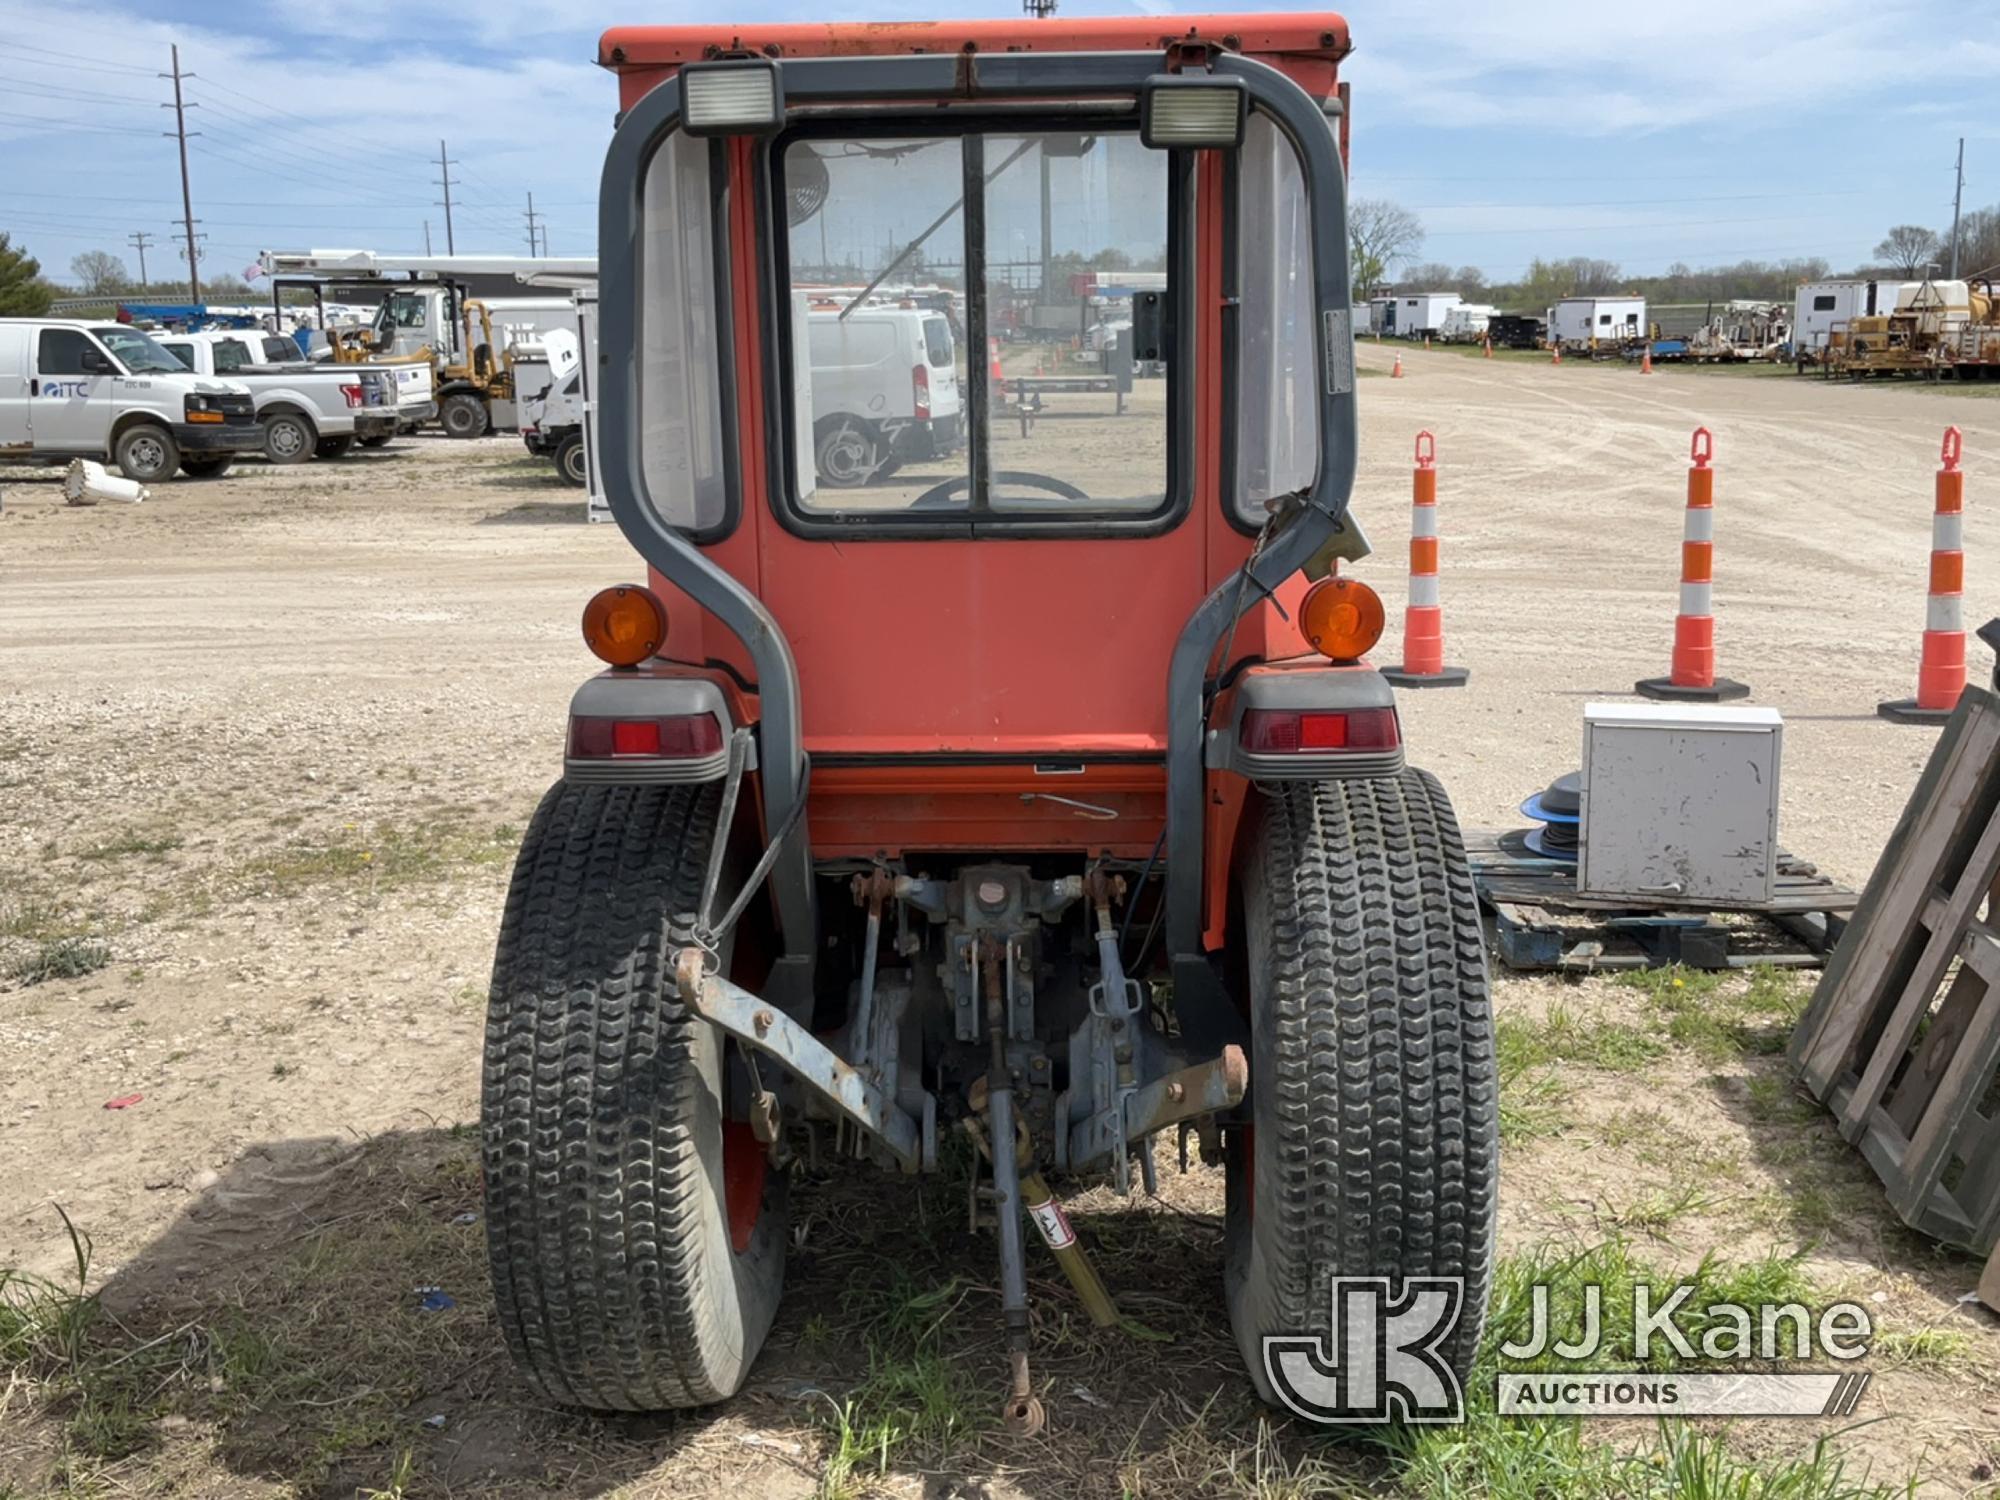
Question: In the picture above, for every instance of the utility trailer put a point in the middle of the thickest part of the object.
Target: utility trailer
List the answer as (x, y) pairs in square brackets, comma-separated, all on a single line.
[(1037, 793)]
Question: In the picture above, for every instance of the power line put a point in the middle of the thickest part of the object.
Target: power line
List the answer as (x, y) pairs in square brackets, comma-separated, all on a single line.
[(188, 220)]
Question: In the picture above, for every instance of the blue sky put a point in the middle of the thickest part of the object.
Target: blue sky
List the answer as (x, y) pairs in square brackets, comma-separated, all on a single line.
[(1701, 132)]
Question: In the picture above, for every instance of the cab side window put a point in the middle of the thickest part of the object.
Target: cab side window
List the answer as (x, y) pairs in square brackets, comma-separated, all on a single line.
[(228, 356), (182, 352), (60, 351)]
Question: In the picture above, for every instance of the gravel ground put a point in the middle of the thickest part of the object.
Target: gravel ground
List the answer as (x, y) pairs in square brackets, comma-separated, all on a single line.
[(271, 741)]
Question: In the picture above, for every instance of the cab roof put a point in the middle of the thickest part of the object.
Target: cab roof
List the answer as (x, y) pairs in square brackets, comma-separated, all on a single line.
[(1321, 36)]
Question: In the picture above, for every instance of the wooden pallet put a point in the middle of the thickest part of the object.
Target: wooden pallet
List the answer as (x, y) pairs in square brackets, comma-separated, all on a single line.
[(1902, 1038), (1541, 921)]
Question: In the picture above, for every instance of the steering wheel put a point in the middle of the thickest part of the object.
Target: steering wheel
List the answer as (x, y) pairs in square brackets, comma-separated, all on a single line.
[(937, 494)]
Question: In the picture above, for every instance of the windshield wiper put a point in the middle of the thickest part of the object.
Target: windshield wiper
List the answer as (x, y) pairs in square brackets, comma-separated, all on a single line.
[(936, 224)]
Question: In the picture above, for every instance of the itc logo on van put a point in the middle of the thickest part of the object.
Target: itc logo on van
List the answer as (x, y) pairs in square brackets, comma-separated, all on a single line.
[(65, 388)]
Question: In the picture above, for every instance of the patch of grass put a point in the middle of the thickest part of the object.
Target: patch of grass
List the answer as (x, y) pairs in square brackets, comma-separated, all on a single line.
[(1658, 1209), (916, 1401), (60, 958), (131, 842), (1925, 1348), (387, 857), (1706, 1013), (1563, 1036), (1548, 1458)]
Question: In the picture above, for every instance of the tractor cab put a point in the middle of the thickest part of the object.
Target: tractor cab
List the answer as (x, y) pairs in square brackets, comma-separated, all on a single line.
[(990, 750)]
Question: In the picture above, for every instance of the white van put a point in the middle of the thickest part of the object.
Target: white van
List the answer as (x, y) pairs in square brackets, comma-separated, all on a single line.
[(72, 388), (884, 391)]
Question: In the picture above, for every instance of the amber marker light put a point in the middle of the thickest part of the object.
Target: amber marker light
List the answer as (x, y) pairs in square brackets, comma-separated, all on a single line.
[(1341, 618), (625, 624)]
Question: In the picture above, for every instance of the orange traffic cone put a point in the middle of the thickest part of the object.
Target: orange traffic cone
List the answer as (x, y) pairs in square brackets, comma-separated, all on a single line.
[(1941, 674), (1646, 363), (1423, 621), (1555, 354), (1693, 675), (1397, 373), (1488, 342), (1427, 341)]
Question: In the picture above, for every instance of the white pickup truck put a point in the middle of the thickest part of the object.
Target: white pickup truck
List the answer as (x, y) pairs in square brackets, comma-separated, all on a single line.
[(307, 410)]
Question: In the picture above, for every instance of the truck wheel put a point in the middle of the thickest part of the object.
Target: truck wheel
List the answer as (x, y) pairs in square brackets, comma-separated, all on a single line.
[(1375, 1142), (847, 452), (146, 453), (379, 440), (334, 447), (635, 1240), (207, 468), (463, 415), (570, 459), (288, 438)]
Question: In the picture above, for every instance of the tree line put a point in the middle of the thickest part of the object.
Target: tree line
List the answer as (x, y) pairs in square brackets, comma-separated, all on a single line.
[(26, 292), (1385, 238)]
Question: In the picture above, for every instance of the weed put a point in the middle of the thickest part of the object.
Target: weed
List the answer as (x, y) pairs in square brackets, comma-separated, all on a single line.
[(1706, 1015), (1563, 1036), (61, 958), (1925, 1348), (130, 842), (391, 856)]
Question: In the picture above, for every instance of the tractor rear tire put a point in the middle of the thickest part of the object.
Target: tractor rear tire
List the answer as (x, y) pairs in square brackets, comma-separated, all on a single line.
[(1375, 1147), (635, 1239)]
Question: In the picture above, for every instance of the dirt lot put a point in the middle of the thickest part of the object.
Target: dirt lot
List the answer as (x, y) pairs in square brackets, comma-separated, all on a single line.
[(267, 748)]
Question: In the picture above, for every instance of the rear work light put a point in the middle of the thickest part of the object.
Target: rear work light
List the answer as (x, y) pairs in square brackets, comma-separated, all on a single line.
[(920, 392), (677, 737), (1194, 111), (1284, 731), (731, 98)]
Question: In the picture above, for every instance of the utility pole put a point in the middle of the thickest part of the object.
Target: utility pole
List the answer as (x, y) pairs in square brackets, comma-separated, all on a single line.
[(139, 239), (1957, 202), (427, 236), (188, 220), (531, 216), (444, 181)]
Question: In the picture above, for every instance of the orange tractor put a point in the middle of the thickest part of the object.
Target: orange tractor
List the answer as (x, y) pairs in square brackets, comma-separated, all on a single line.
[(1031, 784)]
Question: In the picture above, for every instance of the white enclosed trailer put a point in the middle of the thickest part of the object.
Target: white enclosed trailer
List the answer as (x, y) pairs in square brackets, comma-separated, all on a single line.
[(1822, 304), (1585, 322), (1411, 315)]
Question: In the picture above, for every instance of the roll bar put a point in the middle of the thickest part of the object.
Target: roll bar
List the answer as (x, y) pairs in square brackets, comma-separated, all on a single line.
[(1300, 526)]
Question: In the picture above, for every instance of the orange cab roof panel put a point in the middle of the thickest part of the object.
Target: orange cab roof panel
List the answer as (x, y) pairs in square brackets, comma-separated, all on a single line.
[(1319, 35)]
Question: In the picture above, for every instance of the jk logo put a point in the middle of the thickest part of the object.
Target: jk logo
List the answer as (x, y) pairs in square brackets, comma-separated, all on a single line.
[(1381, 1363)]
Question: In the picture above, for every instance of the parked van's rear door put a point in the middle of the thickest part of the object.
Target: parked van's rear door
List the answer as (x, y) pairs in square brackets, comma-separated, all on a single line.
[(69, 387), (15, 342), (942, 357)]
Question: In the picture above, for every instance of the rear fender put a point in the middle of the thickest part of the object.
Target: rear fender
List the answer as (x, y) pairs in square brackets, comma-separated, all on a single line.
[(1304, 685), (638, 695), (1312, 686)]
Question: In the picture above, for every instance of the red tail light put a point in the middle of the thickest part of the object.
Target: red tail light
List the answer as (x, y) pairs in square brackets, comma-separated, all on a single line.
[(1269, 731), (353, 394), (920, 392), (680, 737)]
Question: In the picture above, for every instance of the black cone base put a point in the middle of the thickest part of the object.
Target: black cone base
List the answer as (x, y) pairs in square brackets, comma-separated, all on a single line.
[(1443, 677), (1905, 711), (1722, 690)]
